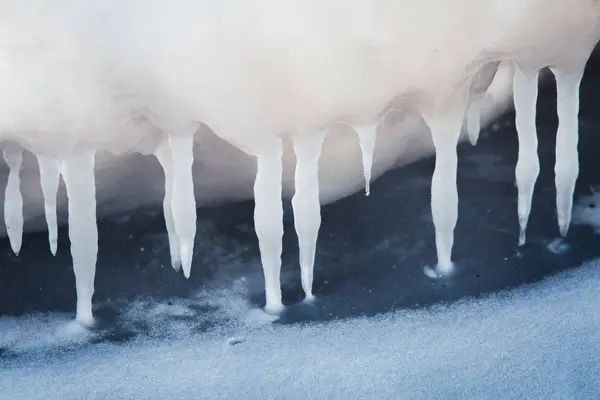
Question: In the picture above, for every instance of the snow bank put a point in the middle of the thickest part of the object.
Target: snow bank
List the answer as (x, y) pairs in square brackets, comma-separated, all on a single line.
[(537, 341)]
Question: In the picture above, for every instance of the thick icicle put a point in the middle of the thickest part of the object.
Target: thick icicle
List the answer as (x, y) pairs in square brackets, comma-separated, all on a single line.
[(445, 131), (183, 200), (268, 218), (528, 166), (474, 118), (49, 179), (163, 155), (78, 175), (367, 134), (306, 204), (566, 168), (13, 200)]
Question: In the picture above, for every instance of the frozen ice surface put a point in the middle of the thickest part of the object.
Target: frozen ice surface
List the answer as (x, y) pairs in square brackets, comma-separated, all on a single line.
[(537, 341)]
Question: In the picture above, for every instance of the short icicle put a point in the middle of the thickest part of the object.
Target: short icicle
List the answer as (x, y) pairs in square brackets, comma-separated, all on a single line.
[(13, 200), (367, 135), (445, 129), (268, 218), (163, 155), (566, 168), (78, 175), (480, 86), (306, 204), (474, 118), (528, 166), (49, 180), (183, 200)]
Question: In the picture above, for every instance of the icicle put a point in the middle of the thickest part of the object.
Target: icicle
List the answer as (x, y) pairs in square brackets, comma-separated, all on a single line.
[(13, 200), (528, 166), (479, 87), (367, 135), (566, 168), (183, 200), (306, 204), (445, 131), (474, 118), (163, 155), (268, 218), (49, 178), (78, 175)]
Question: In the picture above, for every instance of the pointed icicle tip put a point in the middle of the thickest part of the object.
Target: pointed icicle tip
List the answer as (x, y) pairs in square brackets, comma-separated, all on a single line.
[(367, 135), (49, 179)]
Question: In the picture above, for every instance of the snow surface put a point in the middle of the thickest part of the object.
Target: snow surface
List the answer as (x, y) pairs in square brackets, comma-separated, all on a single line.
[(536, 341)]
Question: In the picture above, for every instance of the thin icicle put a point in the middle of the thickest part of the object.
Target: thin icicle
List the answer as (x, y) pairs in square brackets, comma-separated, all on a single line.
[(306, 204), (367, 134), (474, 118), (183, 200), (528, 166), (13, 200), (78, 175), (163, 155), (268, 218), (566, 168), (49, 179), (445, 131)]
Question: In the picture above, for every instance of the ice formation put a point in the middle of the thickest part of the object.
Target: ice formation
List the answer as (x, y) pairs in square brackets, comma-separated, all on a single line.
[(480, 86), (49, 180), (445, 129), (306, 204), (163, 155), (367, 134), (528, 166), (78, 174), (77, 88), (566, 167), (268, 218), (13, 200)]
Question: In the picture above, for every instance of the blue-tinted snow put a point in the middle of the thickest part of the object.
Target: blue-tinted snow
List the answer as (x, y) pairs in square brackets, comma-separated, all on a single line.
[(537, 342)]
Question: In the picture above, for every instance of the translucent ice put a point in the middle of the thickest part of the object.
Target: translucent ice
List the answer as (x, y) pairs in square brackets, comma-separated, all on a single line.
[(163, 155), (474, 118), (445, 130), (13, 200), (479, 87), (528, 166), (268, 218), (78, 175), (367, 135), (49, 179), (183, 201), (307, 208), (566, 168)]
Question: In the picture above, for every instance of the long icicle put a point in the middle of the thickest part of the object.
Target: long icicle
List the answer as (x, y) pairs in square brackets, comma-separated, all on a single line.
[(183, 201), (163, 155), (78, 175), (13, 200), (268, 218), (528, 166), (306, 204), (566, 168), (445, 130)]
